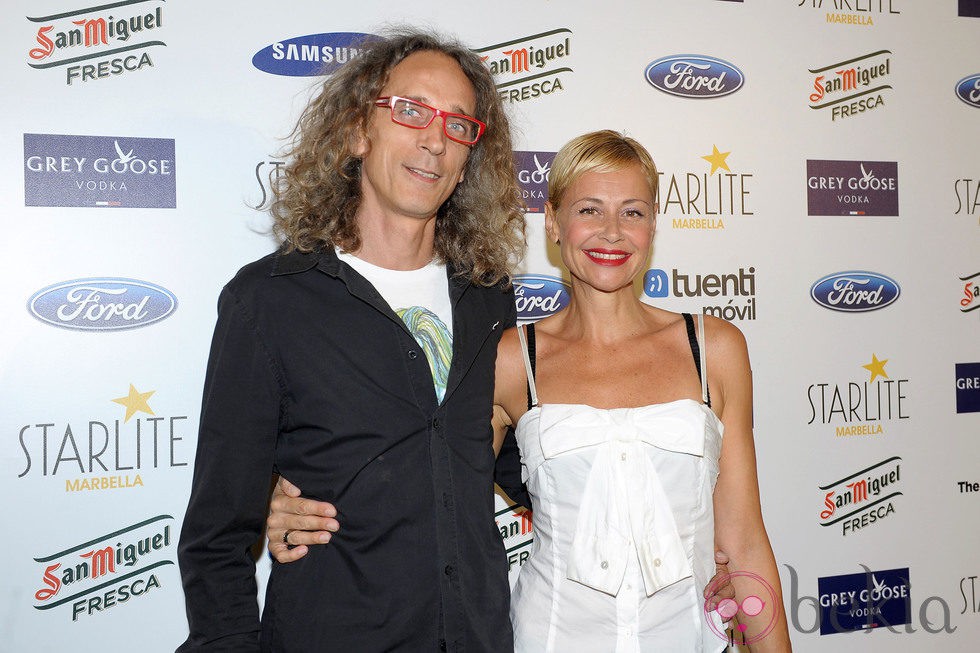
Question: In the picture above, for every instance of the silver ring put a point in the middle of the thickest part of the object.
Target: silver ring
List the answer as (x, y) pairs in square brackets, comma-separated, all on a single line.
[(285, 537)]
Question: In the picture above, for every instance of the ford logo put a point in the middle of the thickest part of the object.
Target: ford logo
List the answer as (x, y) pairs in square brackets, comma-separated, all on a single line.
[(538, 296), (694, 76), (313, 54), (102, 304), (855, 292), (968, 90)]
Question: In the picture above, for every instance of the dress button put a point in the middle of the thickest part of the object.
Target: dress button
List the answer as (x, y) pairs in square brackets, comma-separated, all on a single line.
[(656, 562), (604, 565), (622, 456)]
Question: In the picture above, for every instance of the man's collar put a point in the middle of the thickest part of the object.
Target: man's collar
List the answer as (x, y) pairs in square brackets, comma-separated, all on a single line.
[(296, 261)]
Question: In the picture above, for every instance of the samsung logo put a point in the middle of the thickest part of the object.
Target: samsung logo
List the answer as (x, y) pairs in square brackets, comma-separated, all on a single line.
[(538, 296), (313, 54), (694, 76), (968, 90), (102, 304), (855, 292)]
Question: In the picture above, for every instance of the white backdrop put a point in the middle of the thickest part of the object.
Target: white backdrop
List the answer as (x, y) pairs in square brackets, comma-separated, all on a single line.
[(151, 212)]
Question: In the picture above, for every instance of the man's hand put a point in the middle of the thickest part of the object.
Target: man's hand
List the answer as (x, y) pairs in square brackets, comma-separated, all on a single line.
[(721, 582), (295, 523)]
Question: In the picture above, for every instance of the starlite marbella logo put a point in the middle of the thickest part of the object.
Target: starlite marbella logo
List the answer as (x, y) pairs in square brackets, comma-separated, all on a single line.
[(313, 54), (533, 169), (705, 198), (98, 42), (694, 76), (852, 188), (967, 192), (850, 88), (102, 304), (99, 171), (968, 90), (107, 571), (852, 12), (738, 288), (101, 453), (863, 498), (864, 601), (855, 292), (538, 296), (530, 67), (862, 406)]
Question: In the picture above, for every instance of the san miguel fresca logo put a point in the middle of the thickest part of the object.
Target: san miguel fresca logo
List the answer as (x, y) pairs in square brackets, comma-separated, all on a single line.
[(968, 90), (855, 292), (862, 406), (863, 498), (98, 42), (970, 297), (533, 169), (102, 304), (738, 288), (968, 387), (105, 453), (864, 601), (538, 296), (99, 171), (516, 530), (852, 187), (530, 67), (704, 198), (849, 88), (852, 12), (694, 76), (107, 571), (313, 54)]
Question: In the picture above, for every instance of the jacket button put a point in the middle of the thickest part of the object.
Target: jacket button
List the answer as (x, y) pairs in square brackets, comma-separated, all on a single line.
[(449, 570), (413, 354), (436, 424)]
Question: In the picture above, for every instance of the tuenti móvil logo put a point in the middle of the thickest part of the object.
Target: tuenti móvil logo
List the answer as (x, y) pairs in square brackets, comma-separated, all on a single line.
[(533, 169), (864, 600), (968, 387), (863, 498), (98, 42), (694, 76), (714, 288), (538, 296), (968, 90), (102, 304), (855, 292), (852, 187), (99, 171), (313, 54), (107, 571)]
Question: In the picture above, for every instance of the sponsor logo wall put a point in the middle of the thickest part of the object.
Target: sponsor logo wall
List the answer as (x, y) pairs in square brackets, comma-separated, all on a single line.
[(818, 188)]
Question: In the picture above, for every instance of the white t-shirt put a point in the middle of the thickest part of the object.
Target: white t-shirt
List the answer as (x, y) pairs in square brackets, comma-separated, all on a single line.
[(421, 299)]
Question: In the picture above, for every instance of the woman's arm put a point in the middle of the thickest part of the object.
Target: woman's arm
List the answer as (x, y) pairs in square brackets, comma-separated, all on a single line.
[(739, 528)]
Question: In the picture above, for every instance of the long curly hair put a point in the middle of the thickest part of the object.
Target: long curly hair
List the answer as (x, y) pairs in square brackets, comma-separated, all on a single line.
[(479, 229)]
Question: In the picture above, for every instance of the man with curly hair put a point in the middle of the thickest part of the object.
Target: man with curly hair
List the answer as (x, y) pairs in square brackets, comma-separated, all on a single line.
[(357, 362)]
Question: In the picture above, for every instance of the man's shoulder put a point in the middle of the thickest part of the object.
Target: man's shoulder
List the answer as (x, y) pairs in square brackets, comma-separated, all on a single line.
[(261, 272)]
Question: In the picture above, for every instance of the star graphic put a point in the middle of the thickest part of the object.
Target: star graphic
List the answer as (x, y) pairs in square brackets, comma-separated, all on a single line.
[(135, 402), (876, 367), (717, 159)]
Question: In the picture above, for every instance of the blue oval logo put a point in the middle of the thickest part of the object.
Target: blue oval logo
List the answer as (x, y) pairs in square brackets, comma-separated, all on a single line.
[(102, 304), (313, 54), (694, 76), (968, 90), (855, 292), (538, 296)]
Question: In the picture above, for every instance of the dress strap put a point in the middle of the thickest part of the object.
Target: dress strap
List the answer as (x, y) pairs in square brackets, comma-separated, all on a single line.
[(698, 351), (527, 348)]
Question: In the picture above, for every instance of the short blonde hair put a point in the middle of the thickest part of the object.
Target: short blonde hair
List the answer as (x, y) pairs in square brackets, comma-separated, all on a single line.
[(600, 151)]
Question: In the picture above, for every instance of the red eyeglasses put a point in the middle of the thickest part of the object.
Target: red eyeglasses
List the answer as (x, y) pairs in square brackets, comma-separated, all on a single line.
[(411, 113)]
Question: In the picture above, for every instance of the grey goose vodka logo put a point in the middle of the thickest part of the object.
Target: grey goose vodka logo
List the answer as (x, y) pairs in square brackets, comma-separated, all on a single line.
[(99, 171), (852, 188), (102, 304)]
